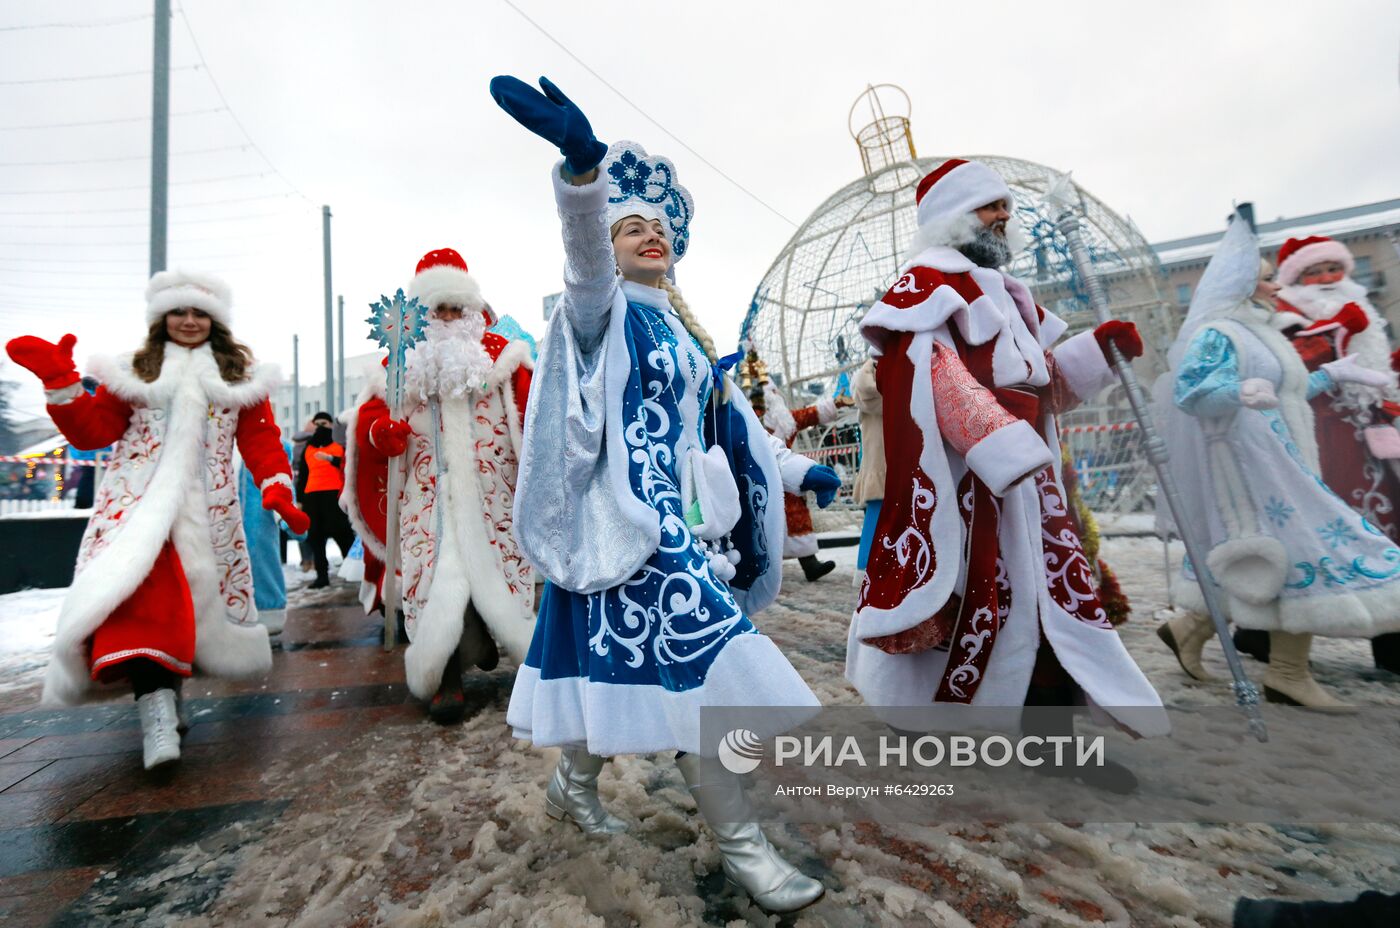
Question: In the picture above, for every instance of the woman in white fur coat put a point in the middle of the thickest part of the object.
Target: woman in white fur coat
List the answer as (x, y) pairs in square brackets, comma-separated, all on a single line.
[(1289, 556), (163, 581)]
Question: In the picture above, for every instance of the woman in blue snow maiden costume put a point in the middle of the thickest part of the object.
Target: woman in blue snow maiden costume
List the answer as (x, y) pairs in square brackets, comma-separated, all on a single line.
[(652, 499), (1290, 557)]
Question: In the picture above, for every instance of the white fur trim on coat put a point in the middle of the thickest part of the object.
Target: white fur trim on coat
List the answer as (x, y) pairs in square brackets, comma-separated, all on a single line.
[(179, 288), (1083, 366), (120, 380), (1253, 568), (1011, 453)]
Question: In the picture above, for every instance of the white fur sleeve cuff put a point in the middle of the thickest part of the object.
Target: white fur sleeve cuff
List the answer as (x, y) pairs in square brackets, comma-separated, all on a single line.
[(793, 467), (826, 410), (64, 394), (1082, 364), (275, 480), (1009, 454), (591, 197)]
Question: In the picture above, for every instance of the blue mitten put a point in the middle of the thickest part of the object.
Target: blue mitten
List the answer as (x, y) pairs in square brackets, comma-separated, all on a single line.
[(822, 480), (553, 117)]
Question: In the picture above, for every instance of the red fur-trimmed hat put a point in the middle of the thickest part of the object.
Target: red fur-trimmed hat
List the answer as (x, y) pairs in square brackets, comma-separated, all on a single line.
[(1299, 254), (441, 277), (957, 187)]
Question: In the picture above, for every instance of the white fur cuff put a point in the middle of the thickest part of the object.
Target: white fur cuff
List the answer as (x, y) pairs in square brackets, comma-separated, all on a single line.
[(1008, 455), (275, 480), (575, 198), (64, 394), (1083, 365)]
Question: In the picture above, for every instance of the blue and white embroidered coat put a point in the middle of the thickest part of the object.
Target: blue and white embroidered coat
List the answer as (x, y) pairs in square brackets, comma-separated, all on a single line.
[(1289, 553), (635, 633)]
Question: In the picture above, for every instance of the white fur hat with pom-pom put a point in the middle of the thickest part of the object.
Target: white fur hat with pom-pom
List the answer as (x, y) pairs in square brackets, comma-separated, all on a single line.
[(178, 289)]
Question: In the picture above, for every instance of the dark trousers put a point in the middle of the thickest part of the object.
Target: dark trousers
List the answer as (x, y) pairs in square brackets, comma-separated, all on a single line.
[(327, 522)]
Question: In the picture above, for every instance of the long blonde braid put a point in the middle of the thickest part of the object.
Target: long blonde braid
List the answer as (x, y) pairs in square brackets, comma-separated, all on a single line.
[(692, 325)]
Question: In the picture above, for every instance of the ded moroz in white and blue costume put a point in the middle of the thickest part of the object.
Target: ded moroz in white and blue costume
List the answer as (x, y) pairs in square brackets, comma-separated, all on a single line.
[(626, 503)]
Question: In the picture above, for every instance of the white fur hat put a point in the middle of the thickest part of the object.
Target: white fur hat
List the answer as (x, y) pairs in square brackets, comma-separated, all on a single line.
[(441, 277), (179, 288)]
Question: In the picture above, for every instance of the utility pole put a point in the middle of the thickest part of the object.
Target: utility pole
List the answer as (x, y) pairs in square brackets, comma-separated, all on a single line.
[(340, 327), (330, 328), (295, 425), (160, 134)]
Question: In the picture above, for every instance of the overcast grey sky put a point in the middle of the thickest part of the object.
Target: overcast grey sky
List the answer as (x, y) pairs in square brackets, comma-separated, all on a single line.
[(1168, 112)]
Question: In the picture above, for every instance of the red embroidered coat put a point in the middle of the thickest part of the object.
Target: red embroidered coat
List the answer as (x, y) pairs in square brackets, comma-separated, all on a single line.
[(1366, 485), (171, 480), (975, 560), (785, 426)]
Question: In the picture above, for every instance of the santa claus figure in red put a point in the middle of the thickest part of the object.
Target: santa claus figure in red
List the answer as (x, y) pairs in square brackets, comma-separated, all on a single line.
[(163, 583), (784, 424), (1327, 316), (466, 586), (977, 590)]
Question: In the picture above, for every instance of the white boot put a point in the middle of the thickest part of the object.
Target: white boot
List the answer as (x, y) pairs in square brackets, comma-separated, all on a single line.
[(1288, 679), (160, 741), (572, 794), (1187, 635), (749, 861)]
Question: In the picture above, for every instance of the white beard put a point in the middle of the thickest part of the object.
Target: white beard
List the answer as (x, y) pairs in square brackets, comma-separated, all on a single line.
[(450, 360), (1372, 347), (777, 418)]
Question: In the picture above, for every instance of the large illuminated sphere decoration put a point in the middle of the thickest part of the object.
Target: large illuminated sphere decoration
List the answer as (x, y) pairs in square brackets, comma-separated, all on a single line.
[(804, 316)]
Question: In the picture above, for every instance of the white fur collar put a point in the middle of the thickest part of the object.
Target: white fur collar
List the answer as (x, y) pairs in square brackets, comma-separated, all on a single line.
[(654, 297), (183, 365)]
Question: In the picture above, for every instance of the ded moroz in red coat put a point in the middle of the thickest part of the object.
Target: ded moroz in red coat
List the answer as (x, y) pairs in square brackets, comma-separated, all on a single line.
[(164, 553), (975, 561), (785, 424), (474, 455)]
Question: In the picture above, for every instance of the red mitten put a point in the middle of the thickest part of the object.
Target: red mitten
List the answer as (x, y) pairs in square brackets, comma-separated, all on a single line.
[(1352, 318), (1395, 360), (390, 436), (53, 364), (1123, 335), (279, 499)]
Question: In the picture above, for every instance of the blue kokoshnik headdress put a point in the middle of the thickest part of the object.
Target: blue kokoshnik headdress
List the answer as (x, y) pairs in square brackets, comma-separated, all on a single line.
[(639, 185)]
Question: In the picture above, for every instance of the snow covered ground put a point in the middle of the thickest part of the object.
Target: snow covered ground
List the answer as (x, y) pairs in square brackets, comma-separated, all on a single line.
[(416, 826)]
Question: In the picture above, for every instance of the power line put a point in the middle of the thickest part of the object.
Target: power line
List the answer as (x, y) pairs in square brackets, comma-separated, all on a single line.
[(93, 24), (106, 122), (144, 209), (189, 29), (145, 157), (712, 166), (139, 225), (173, 183), (91, 77)]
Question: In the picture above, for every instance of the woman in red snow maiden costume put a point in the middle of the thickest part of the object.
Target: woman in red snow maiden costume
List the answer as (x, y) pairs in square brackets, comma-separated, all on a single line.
[(163, 582)]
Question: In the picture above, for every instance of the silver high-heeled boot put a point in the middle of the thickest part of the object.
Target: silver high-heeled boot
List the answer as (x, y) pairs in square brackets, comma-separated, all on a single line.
[(160, 742), (749, 861), (572, 794)]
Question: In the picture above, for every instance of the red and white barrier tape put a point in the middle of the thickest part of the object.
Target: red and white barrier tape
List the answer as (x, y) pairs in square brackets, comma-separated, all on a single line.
[(1110, 427)]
